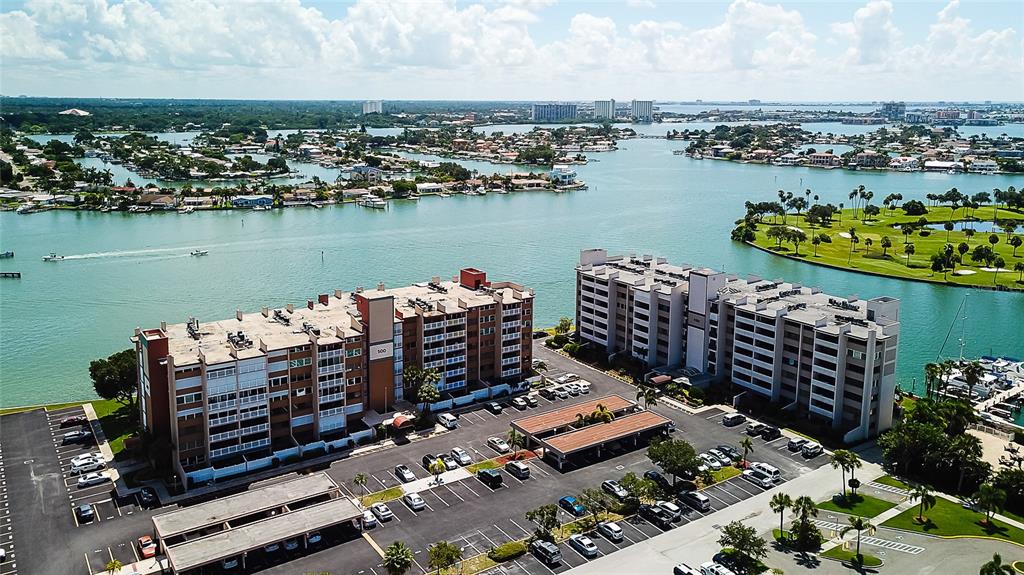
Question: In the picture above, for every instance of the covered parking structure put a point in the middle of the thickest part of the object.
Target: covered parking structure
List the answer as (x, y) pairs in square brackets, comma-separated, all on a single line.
[(537, 427), (230, 528), (630, 429)]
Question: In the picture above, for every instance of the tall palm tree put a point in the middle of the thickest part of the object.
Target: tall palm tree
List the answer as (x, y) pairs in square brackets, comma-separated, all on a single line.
[(932, 371), (360, 480), (991, 499), (858, 524), (398, 558), (996, 567), (516, 440), (648, 395), (779, 504), (853, 464), (841, 460), (923, 493), (747, 446)]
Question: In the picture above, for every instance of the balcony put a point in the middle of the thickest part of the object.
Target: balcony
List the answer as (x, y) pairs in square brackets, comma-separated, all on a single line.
[(510, 361), (332, 411), (511, 348), (433, 325), (455, 347), (456, 321), (510, 336), (510, 324), (223, 405), (433, 364), (433, 338), (455, 372), (329, 369), (331, 397), (262, 412), (258, 398), (433, 351), (456, 334), (511, 311), (510, 372), (454, 360), (215, 421)]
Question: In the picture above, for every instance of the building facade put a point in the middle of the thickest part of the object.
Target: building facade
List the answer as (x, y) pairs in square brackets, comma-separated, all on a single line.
[(553, 112), (604, 109), (373, 107), (264, 385), (829, 357), (642, 110), (894, 110)]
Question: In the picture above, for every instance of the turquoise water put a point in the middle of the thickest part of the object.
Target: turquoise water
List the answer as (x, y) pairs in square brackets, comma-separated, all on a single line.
[(127, 270)]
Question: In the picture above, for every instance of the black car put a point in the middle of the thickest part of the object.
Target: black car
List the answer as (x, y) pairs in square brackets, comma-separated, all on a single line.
[(490, 477), (547, 393), (147, 497), (493, 407), (771, 432), (730, 451), (428, 460), (659, 479), (656, 515), (540, 334), (85, 513)]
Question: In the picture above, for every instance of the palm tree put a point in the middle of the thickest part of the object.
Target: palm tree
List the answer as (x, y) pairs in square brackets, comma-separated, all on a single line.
[(602, 414), (815, 241), (436, 469), (858, 524), (747, 446), (840, 460), (924, 494), (909, 250), (1019, 268), (779, 504), (443, 555), (360, 480), (113, 566), (991, 499), (648, 395), (996, 567), (398, 558), (516, 440)]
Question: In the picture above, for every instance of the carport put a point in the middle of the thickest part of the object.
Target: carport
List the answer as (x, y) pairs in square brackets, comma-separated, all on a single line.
[(535, 428), (635, 426)]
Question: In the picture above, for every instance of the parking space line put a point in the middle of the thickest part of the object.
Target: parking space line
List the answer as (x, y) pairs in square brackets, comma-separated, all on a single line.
[(510, 538), (87, 564), (466, 485), (379, 481), (491, 541), (521, 528), (715, 416), (635, 528), (439, 498), (453, 493), (467, 541), (711, 495), (737, 485)]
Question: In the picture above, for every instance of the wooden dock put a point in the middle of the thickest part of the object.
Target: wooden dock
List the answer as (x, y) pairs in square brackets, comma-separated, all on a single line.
[(13, 275)]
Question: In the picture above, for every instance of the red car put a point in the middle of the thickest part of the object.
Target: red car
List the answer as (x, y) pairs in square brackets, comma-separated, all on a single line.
[(147, 547), (74, 420)]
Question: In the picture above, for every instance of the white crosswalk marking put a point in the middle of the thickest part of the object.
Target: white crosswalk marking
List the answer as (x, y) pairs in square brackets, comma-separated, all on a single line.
[(895, 546), (889, 488)]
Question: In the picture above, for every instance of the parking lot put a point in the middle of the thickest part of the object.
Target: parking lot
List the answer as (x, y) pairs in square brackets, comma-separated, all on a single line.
[(10, 556)]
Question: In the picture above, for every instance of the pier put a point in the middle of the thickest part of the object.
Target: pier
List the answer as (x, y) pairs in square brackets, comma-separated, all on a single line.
[(12, 275)]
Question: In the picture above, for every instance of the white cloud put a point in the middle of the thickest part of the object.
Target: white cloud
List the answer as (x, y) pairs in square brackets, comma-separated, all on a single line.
[(20, 39), (872, 35), (640, 4)]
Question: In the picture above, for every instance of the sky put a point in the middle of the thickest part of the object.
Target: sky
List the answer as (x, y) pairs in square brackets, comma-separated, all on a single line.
[(534, 50)]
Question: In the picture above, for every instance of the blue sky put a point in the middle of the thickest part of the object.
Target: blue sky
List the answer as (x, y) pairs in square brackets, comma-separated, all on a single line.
[(514, 49)]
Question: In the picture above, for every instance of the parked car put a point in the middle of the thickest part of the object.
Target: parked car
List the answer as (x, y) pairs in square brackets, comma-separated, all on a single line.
[(428, 460), (414, 501), (546, 551), (610, 530), (519, 403), (85, 513), (769, 470), (696, 500), (147, 498), (684, 569), (382, 511), (561, 393), (722, 458), (291, 544), (571, 505), (730, 451), (659, 479), (86, 457), (585, 545), (448, 420), (711, 568), (771, 433), (540, 334), (90, 479), (758, 478), (711, 462), (812, 450), (733, 419), (584, 386), (531, 400), (490, 477), (498, 444), (369, 520), (568, 378), (672, 509), (572, 389), (461, 456), (518, 469), (147, 547), (449, 462), (76, 436), (612, 487), (404, 474), (547, 392), (494, 407), (755, 429), (87, 465), (72, 420), (797, 443), (656, 515)]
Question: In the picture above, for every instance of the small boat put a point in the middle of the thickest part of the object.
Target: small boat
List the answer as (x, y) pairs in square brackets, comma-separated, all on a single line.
[(186, 210), (26, 209), (444, 195), (199, 252), (7, 255), (481, 190), (372, 201), (260, 208), (53, 257)]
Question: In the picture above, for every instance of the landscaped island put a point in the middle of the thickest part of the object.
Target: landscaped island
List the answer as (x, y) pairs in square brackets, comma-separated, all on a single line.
[(956, 239)]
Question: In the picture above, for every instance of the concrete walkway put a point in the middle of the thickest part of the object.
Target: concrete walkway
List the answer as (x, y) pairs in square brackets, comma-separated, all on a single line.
[(428, 483)]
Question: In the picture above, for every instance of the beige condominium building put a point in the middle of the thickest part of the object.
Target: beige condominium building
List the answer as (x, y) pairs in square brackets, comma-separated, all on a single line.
[(244, 393), (831, 357)]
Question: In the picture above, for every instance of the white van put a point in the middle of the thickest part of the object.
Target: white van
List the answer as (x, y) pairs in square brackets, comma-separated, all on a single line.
[(448, 420), (697, 500), (769, 470), (733, 419)]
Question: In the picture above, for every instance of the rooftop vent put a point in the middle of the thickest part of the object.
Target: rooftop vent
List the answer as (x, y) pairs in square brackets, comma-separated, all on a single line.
[(193, 328)]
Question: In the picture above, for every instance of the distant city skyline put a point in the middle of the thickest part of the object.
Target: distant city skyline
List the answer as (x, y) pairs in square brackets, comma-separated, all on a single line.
[(524, 50)]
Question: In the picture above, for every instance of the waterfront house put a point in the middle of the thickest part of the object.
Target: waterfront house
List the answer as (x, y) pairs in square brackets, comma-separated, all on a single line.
[(942, 166), (252, 201), (760, 155), (789, 159), (368, 173), (529, 184), (721, 151), (157, 201), (983, 166), (198, 201), (871, 159), (824, 159), (429, 188), (562, 175), (904, 164)]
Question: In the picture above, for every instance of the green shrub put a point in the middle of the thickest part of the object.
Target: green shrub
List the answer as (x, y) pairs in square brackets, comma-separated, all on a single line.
[(507, 551), (924, 233), (558, 341), (365, 440), (696, 394)]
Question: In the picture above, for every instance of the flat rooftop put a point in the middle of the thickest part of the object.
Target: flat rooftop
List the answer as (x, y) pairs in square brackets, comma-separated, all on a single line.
[(203, 515), (561, 417), (600, 433), (234, 542)]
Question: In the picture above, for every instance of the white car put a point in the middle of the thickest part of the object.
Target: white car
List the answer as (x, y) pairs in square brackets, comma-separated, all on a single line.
[(610, 530), (758, 478), (585, 545), (569, 377), (498, 444), (414, 501), (369, 521), (811, 450), (519, 403), (79, 459), (461, 456), (710, 568), (90, 479), (721, 457), (87, 465), (561, 393), (571, 389), (584, 386), (671, 508), (710, 461), (382, 511)]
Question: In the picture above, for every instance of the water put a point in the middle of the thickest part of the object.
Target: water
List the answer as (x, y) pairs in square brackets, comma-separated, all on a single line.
[(986, 227), (128, 270)]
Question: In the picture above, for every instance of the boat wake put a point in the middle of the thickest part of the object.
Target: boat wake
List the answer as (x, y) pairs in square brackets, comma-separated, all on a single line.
[(131, 253)]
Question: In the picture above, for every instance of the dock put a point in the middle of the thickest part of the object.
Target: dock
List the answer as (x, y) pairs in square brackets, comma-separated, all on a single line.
[(13, 275)]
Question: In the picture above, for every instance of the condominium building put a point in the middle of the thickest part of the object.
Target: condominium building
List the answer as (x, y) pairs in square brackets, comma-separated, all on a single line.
[(553, 112), (373, 107), (642, 110), (604, 109), (832, 358), (270, 384)]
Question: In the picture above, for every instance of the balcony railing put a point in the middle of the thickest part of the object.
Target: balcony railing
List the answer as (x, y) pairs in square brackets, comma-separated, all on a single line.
[(510, 372), (511, 348), (456, 334)]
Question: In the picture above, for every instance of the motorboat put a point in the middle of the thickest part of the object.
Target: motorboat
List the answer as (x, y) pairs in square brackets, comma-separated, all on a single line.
[(444, 195), (372, 201), (261, 208), (199, 252), (53, 257), (186, 210), (26, 209), (6, 255)]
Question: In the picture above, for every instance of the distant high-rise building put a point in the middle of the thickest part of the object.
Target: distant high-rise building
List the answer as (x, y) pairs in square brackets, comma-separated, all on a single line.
[(894, 110), (642, 110), (553, 112), (604, 109), (373, 107), (754, 102)]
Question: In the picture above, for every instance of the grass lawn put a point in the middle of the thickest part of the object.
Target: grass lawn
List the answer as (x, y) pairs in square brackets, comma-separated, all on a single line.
[(862, 505), (487, 464), (584, 524), (948, 519), (725, 473), (892, 482), (51, 407), (1012, 515), (1018, 566), (118, 421), (844, 555), (389, 494), (894, 262)]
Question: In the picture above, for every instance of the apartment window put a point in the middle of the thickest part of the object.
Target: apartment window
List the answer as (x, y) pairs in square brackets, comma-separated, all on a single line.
[(300, 362), (300, 392), (354, 352), (281, 380), (189, 398), (486, 331), (299, 349), (856, 354), (219, 373), (355, 380)]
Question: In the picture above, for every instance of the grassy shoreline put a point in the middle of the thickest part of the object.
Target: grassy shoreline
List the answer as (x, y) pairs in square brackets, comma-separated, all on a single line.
[(893, 261)]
